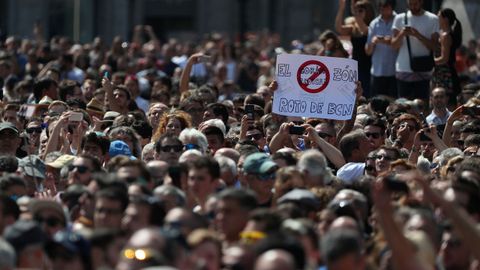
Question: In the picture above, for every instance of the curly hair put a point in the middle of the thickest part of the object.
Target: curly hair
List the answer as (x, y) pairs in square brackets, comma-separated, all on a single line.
[(184, 118)]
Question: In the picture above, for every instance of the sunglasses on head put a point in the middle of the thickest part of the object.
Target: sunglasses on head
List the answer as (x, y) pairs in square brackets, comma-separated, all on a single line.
[(169, 148), (189, 146), (50, 221), (34, 129), (80, 168)]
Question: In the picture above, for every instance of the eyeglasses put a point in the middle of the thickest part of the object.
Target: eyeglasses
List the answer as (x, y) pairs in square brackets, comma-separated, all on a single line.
[(324, 135), (50, 221), (380, 157), (34, 129), (169, 148), (80, 168), (189, 146), (257, 136), (374, 135)]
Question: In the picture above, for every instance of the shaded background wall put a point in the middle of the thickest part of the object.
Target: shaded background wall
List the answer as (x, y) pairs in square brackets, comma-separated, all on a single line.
[(185, 19)]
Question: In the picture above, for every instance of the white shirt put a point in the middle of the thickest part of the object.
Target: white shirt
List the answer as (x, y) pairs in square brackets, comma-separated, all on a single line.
[(351, 171), (426, 24)]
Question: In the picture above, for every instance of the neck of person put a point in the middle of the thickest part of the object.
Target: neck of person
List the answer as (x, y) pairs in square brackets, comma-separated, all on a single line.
[(387, 17), (440, 111), (419, 13)]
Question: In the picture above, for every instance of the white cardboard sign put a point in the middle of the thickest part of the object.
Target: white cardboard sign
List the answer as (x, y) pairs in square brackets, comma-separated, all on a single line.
[(315, 86)]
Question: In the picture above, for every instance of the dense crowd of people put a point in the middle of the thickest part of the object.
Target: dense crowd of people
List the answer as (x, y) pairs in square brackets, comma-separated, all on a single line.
[(166, 155)]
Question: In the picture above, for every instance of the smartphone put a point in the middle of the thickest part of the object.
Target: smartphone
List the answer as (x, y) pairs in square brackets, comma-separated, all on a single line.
[(296, 130), (250, 111), (105, 75), (392, 183), (75, 117)]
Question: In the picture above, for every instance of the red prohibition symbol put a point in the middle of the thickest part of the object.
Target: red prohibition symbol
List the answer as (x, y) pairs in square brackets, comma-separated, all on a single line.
[(313, 76)]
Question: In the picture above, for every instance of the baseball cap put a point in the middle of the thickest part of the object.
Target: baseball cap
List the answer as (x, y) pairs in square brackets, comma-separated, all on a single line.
[(258, 163), (110, 115), (303, 197), (61, 161), (8, 125), (33, 166), (24, 233), (119, 147)]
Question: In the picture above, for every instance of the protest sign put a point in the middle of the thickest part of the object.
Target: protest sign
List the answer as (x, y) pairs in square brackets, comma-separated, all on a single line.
[(315, 86)]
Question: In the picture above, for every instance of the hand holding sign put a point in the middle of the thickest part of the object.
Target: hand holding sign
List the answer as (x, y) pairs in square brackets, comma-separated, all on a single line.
[(315, 86)]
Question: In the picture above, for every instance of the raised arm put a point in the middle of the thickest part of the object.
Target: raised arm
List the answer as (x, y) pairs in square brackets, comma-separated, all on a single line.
[(330, 151), (185, 77), (109, 87), (339, 25), (447, 132), (281, 138), (428, 42), (403, 251)]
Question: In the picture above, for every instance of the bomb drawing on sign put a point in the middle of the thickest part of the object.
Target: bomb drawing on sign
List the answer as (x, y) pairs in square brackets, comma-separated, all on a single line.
[(313, 76)]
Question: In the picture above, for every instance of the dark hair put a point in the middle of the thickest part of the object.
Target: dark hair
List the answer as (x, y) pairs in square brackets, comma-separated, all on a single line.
[(96, 165), (471, 127), (143, 128), (390, 3), (208, 163), (350, 142), (255, 99), (213, 130), (114, 194), (8, 164), (268, 220), (158, 143), (9, 180), (102, 141), (338, 243), (376, 121), (285, 242), (9, 207), (124, 89), (67, 87), (379, 104), (219, 110), (245, 198), (40, 86), (288, 157), (157, 210), (391, 149), (455, 26)]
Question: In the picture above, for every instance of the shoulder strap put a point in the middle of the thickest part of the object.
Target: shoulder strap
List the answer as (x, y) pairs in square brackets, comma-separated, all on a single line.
[(405, 20)]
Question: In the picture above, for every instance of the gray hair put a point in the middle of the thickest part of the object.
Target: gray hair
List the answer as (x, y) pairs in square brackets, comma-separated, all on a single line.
[(193, 134), (215, 123), (189, 155), (226, 163), (314, 162), (448, 154)]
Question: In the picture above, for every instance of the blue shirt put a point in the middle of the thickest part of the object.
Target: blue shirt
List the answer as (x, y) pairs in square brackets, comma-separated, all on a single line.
[(383, 56)]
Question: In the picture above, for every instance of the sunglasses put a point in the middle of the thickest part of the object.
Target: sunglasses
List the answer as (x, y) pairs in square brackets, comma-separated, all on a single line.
[(324, 135), (34, 129), (373, 135), (254, 136), (169, 148), (80, 168), (49, 221), (380, 157)]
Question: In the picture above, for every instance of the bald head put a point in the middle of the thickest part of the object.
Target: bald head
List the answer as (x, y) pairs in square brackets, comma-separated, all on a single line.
[(344, 222), (275, 259), (228, 152)]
